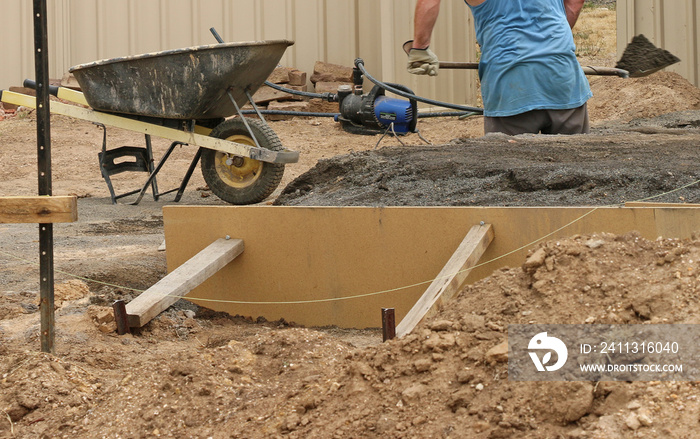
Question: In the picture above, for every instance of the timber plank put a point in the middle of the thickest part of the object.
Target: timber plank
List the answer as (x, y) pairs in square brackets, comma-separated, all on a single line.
[(38, 209), (182, 280), (450, 279)]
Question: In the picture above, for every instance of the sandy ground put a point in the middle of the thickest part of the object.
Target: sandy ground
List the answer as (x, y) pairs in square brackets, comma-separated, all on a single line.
[(195, 373)]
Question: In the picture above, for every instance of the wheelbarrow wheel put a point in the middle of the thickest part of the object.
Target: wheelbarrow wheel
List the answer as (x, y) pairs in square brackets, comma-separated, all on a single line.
[(237, 179)]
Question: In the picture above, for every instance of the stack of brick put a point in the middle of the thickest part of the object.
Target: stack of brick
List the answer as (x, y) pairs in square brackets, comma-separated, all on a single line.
[(271, 99), (326, 79)]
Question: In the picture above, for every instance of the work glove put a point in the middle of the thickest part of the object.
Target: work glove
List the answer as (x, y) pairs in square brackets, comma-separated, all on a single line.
[(422, 62)]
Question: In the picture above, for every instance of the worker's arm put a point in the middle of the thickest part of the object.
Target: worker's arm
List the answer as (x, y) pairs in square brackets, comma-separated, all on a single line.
[(573, 9), (425, 17)]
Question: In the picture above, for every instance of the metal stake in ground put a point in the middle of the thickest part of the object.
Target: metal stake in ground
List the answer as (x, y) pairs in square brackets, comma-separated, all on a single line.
[(388, 324), (43, 132)]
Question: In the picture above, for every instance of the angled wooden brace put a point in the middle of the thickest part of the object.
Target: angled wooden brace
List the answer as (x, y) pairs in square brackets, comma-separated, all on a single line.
[(451, 278), (181, 281)]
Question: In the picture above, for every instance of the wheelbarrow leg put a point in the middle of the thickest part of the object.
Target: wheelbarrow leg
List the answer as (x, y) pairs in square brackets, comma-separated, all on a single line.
[(243, 118), (255, 107), (155, 172), (151, 167), (103, 163), (188, 175)]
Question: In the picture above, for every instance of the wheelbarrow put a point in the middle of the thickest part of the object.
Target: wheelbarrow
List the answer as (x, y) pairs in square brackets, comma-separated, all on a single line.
[(188, 96)]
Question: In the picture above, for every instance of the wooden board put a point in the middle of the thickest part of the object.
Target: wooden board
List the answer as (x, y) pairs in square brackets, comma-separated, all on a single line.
[(341, 265), (38, 209), (181, 281), (451, 278)]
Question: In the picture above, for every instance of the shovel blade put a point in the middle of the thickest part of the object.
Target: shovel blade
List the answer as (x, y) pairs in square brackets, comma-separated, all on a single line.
[(641, 58)]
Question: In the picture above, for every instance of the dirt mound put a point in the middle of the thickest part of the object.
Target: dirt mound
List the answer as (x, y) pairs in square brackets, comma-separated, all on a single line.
[(209, 375), (654, 95), (448, 379)]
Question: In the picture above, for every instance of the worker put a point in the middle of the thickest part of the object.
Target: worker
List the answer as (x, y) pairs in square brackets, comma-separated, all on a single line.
[(531, 81)]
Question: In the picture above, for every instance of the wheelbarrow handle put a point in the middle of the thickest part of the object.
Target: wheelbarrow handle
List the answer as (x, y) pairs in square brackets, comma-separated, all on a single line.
[(588, 70), (30, 83)]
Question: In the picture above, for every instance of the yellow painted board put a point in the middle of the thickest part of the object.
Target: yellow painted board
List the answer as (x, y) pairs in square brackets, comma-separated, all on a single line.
[(38, 209), (303, 263), (68, 94)]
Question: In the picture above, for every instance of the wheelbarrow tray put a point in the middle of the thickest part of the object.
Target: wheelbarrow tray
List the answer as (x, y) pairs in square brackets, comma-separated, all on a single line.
[(188, 83)]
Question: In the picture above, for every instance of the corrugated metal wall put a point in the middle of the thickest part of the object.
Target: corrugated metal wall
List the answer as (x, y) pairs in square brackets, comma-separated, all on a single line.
[(335, 31), (669, 24)]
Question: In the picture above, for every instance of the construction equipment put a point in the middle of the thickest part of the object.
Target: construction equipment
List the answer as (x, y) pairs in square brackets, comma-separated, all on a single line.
[(374, 112), (183, 95)]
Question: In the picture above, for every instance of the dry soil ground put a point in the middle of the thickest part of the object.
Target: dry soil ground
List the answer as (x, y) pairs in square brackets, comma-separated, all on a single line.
[(194, 373)]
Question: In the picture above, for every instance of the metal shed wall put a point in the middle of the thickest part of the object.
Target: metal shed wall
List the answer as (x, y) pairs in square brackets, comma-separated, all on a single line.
[(669, 24), (335, 31)]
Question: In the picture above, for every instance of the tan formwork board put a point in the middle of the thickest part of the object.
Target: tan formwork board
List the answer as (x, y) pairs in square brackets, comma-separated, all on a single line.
[(386, 256)]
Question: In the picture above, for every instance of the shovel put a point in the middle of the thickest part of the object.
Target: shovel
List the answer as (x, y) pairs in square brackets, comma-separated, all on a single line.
[(640, 58)]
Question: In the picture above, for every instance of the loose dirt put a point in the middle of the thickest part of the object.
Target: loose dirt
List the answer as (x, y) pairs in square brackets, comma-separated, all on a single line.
[(195, 373)]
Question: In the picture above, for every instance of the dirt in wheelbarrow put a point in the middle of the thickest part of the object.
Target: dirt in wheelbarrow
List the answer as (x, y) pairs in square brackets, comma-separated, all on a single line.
[(195, 373)]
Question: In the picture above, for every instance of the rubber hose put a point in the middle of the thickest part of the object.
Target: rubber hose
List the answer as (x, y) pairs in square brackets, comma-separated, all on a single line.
[(309, 114), (361, 65)]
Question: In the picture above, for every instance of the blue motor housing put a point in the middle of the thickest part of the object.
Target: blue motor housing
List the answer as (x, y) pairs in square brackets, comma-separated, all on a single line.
[(375, 113), (397, 111)]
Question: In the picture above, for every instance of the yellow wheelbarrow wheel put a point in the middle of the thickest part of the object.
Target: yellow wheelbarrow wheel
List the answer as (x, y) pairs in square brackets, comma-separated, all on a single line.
[(237, 179)]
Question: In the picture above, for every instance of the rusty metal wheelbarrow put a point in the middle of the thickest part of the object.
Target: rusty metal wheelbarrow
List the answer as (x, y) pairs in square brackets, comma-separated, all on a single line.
[(184, 95)]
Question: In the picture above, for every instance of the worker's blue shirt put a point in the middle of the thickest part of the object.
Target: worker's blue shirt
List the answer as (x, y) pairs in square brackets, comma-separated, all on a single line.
[(528, 60)]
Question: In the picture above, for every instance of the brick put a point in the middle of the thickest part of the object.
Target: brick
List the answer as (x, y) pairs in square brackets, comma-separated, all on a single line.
[(298, 106), (297, 77), (280, 75), (288, 106), (317, 105), (327, 72), (69, 81), (267, 94)]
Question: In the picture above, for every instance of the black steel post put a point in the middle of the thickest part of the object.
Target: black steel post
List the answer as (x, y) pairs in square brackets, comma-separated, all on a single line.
[(388, 324), (120, 316), (43, 133)]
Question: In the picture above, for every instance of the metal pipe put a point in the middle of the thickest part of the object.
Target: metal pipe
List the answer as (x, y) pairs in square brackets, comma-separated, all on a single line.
[(388, 324), (121, 317)]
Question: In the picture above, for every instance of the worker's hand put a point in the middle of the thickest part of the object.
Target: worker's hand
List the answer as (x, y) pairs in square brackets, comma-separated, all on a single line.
[(422, 62)]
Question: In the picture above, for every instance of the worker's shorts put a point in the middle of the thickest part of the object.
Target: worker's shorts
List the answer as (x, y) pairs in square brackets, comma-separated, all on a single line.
[(572, 121)]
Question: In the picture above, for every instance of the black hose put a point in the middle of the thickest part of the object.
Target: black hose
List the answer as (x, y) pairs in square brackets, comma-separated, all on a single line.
[(447, 114), (360, 64), (330, 97), (291, 113), (311, 114)]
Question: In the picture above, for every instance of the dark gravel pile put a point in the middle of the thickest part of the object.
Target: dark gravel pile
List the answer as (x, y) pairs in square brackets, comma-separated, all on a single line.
[(616, 164)]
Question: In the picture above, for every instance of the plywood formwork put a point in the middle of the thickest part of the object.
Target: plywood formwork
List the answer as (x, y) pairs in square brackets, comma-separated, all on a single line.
[(339, 266)]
